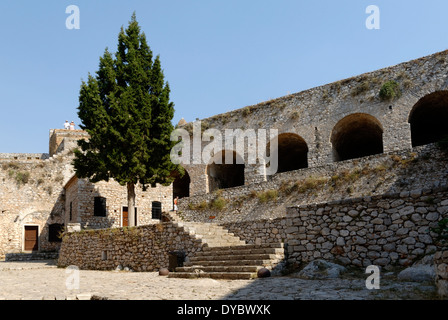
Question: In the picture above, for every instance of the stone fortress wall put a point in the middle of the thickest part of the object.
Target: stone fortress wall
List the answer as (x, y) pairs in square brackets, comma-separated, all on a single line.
[(329, 123)]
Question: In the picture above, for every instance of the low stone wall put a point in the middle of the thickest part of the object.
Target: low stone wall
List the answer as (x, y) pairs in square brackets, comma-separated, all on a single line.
[(24, 156), (441, 266), (144, 248), (388, 230)]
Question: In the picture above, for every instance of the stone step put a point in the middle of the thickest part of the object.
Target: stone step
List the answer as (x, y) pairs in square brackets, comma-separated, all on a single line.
[(240, 251), (214, 244), (210, 263), (210, 232), (31, 256), (263, 256), (245, 246), (224, 242), (216, 236), (219, 268), (218, 233), (214, 275)]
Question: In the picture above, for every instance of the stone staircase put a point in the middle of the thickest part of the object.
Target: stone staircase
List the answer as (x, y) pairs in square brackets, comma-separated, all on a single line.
[(224, 255), (231, 262), (210, 234)]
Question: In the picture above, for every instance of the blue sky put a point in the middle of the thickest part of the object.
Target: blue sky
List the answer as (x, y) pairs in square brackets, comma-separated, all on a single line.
[(217, 55)]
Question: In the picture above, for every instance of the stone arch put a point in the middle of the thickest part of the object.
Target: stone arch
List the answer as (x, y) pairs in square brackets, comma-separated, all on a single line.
[(357, 135), (181, 184), (428, 118), (222, 175), (292, 152)]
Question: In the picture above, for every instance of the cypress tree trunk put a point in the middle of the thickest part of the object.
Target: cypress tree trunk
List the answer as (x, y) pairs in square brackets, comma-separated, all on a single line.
[(131, 204)]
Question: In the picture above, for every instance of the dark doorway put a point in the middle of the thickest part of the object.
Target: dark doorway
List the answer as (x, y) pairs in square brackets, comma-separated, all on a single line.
[(355, 136), (429, 119), (225, 175), (181, 185), (292, 152), (54, 232)]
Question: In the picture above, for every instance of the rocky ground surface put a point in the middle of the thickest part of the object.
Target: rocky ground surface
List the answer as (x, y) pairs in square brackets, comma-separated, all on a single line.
[(43, 280)]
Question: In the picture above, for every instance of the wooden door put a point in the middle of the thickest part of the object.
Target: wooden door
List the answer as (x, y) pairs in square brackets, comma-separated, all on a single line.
[(126, 217), (31, 238)]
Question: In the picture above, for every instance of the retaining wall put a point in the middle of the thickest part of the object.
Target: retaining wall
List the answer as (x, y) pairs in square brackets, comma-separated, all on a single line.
[(388, 230)]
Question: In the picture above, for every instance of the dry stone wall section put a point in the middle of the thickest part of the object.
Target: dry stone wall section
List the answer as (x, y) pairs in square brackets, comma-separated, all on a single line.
[(144, 248), (388, 230)]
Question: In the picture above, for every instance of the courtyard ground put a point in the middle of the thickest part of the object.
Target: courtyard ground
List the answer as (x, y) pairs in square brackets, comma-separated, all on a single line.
[(42, 280)]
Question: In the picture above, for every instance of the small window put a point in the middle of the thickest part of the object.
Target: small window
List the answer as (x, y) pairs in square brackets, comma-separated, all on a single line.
[(71, 211), (99, 207), (54, 232)]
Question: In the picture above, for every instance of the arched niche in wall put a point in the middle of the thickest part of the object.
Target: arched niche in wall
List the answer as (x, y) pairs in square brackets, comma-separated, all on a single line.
[(222, 174), (429, 119), (355, 136), (292, 151), (181, 184)]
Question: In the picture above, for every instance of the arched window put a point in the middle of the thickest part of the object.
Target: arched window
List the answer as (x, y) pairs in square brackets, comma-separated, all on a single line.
[(429, 119), (357, 135)]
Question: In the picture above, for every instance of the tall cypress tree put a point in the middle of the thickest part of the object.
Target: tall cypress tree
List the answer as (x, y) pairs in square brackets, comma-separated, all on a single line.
[(127, 112)]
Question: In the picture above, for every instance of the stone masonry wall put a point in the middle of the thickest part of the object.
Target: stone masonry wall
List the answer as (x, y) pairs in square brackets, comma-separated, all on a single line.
[(386, 230), (80, 193), (420, 168), (31, 194), (144, 248), (313, 114)]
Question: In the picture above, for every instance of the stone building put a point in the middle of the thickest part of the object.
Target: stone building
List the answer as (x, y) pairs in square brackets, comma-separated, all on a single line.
[(104, 204), (40, 196)]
